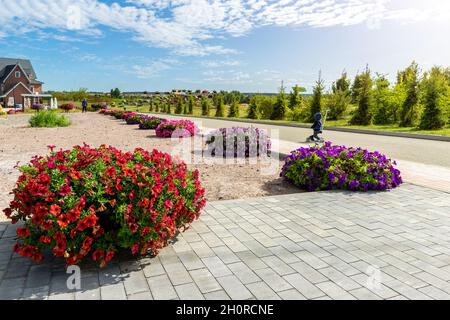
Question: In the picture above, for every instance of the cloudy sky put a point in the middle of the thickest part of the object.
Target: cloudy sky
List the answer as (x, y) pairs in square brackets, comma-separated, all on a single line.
[(248, 45)]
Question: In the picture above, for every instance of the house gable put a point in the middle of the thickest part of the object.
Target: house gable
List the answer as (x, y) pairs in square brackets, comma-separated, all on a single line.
[(11, 80)]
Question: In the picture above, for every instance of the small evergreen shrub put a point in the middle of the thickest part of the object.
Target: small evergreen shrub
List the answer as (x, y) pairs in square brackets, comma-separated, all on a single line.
[(48, 119)]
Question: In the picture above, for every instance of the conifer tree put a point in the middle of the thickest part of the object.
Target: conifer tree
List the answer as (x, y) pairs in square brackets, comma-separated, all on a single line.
[(253, 111), (410, 109), (363, 115), (316, 100), (220, 112), (206, 106), (295, 97), (281, 105), (180, 106), (191, 104), (436, 99), (234, 109)]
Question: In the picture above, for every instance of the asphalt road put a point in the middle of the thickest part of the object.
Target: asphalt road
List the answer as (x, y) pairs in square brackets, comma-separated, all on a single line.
[(415, 150)]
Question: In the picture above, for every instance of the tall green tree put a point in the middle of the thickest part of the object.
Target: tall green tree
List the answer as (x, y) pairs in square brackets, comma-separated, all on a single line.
[(382, 97), (295, 97), (409, 114), (180, 105), (356, 88), (191, 104), (340, 98), (115, 93), (220, 107), (363, 115), (206, 106), (281, 105), (436, 100), (234, 108), (253, 109), (316, 99)]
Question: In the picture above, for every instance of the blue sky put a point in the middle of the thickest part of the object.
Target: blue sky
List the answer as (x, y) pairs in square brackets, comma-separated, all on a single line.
[(247, 45)]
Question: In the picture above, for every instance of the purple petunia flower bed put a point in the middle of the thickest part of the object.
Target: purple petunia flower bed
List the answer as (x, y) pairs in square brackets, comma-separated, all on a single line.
[(238, 142), (339, 167)]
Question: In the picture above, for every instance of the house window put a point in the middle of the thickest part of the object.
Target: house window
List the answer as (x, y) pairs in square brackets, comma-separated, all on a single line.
[(17, 74), (31, 88)]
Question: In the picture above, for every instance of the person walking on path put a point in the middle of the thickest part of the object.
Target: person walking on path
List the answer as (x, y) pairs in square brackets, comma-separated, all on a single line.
[(84, 104)]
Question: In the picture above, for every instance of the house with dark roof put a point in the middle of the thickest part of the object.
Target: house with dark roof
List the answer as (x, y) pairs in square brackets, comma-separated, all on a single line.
[(18, 83)]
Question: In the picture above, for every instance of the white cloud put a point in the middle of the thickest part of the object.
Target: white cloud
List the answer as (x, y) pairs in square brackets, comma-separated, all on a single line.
[(186, 27), (153, 69)]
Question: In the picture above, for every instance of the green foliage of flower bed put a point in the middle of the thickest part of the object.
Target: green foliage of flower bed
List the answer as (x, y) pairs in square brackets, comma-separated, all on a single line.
[(88, 202), (48, 119)]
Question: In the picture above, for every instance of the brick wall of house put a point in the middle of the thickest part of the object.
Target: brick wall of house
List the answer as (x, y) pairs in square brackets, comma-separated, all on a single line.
[(17, 94), (11, 81)]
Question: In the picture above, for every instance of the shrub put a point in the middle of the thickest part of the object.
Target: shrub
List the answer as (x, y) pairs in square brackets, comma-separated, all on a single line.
[(93, 202), (238, 142), (48, 119), (150, 123), (118, 114), (134, 119), (179, 128), (338, 167), (67, 107)]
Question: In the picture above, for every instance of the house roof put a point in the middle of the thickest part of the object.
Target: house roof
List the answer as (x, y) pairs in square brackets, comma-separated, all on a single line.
[(7, 64)]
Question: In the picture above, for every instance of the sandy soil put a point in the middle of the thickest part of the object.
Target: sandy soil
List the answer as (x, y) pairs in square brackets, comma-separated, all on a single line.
[(19, 142)]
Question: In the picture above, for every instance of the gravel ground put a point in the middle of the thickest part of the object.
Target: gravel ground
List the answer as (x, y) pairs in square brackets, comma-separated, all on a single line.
[(19, 142)]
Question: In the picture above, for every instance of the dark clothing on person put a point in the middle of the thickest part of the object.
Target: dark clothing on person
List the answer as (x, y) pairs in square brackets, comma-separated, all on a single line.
[(84, 104), (317, 127)]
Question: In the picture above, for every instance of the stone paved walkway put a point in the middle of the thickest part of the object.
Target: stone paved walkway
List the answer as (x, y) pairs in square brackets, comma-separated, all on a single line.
[(328, 245)]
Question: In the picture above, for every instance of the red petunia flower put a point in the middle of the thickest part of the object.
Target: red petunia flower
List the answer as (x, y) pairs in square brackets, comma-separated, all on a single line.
[(87, 243), (45, 239), (23, 232), (55, 209), (98, 255), (63, 221)]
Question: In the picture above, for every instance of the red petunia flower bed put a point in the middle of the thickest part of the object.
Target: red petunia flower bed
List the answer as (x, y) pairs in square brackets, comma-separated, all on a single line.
[(92, 202)]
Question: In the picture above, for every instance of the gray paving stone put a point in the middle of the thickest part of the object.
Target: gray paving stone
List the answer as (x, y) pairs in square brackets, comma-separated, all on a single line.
[(243, 272), (252, 261), (134, 282), (205, 280), (216, 267), (190, 260), (110, 274), (234, 288), (225, 254), (141, 296), (177, 273), (262, 291), (277, 265), (305, 287), (334, 291), (291, 294), (189, 291), (339, 278), (39, 293), (311, 274), (364, 294), (38, 276), (62, 296), (276, 282), (435, 293), (202, 249), (162, 288), (152, 267), (217, 295), (114, 291)]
